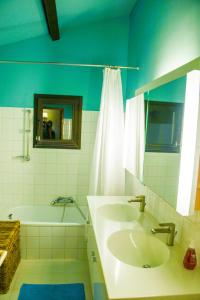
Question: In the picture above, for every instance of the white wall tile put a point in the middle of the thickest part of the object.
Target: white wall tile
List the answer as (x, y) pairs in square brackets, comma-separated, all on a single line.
[(23, 252), (23, 230), (161, 174), (71, 242), (45, 231), (71, 231), (50, 172), (58, 242), (45, 242), (82, 254), (58, 231), (45, 253), (32, 242), (71, 253), (32, 231), (33, 253), (58, 253)]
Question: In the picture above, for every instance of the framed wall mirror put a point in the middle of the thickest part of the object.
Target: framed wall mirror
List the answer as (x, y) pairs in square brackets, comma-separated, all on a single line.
[(57, 121)]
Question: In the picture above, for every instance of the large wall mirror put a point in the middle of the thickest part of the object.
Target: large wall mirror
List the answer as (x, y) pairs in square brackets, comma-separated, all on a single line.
[(172, 130), (57, 121), (164, 108)]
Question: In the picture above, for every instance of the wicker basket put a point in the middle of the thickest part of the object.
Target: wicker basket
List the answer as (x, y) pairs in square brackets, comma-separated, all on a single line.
[(9, 240)]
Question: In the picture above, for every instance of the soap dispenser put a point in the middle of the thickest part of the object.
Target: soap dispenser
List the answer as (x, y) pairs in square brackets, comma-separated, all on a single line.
[(190, 259)]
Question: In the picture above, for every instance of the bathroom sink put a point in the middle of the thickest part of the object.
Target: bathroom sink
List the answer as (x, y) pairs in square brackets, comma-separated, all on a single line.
[(138, 249), (119, 212)]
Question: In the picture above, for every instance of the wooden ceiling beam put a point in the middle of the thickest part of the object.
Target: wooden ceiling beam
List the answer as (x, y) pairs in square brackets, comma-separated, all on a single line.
[(51, 18)]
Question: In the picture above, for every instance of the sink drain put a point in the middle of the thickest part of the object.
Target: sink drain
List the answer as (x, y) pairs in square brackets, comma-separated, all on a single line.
[(146, 266)]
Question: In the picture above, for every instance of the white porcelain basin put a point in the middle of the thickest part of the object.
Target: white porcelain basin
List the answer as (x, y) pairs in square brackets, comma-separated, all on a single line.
[(119, 212), (138, 249)]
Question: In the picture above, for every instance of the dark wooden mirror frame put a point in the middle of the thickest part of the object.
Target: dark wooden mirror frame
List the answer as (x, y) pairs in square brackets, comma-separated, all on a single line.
[(40, 100)]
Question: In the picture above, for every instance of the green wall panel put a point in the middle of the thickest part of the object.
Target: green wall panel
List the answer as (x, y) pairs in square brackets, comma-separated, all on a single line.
[(173, 91), (98, 43), (164, 34)]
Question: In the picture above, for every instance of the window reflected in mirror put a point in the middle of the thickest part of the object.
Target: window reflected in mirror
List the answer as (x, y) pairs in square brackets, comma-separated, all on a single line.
[(164, 120), (57, 121)]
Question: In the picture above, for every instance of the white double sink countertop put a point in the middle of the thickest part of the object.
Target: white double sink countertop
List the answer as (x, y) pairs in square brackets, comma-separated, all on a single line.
[(125, 281), (3, 255)]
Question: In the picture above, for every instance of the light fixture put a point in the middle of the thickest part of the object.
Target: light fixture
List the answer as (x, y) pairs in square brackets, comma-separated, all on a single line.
[(45, 115), (189, 151)]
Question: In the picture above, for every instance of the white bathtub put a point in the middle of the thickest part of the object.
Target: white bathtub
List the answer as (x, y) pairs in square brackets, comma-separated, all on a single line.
[(46, 215), (47, 233)]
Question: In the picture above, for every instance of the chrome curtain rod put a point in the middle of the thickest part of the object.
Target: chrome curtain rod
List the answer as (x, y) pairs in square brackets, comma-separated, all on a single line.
[(64, 64)]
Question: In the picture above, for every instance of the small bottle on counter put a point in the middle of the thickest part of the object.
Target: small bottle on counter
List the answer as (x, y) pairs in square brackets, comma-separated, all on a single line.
[(190, 259)]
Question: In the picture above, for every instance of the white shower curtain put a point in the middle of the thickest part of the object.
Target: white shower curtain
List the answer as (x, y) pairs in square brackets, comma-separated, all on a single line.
[(107, 172), (134, 142)]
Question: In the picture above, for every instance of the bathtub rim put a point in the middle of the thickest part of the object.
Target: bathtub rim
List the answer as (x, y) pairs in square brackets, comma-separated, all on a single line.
[(43, 223), (49, 224)]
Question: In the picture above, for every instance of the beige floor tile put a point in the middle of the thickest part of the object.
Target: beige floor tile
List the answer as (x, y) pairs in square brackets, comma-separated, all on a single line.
[(49, 271), (14, 295), (4, 297)]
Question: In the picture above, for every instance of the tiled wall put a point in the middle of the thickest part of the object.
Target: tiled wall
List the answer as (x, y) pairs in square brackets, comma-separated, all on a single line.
[(53, 172), (53, 242), (188, 228), (161, 172), (50, 172)]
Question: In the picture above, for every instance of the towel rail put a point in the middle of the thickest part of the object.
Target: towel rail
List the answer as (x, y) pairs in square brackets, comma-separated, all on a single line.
[(26, 136)]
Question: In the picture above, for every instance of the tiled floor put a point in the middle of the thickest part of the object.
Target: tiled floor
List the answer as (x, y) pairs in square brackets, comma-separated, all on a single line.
[(49, 271)]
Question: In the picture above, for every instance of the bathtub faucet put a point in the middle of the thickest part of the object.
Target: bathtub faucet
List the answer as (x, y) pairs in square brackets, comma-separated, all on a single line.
[(62, 201)]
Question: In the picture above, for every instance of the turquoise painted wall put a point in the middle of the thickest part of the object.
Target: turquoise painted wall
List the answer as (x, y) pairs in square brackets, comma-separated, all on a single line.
[(96, 43), (173, 91), (164, 34)]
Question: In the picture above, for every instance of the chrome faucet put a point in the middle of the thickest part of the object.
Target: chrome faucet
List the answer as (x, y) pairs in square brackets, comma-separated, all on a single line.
[(62, 201), (141, 199), (166, 228)]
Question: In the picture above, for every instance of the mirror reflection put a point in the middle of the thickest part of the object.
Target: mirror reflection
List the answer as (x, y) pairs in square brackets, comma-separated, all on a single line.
[(57, 122), (164, 113)]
